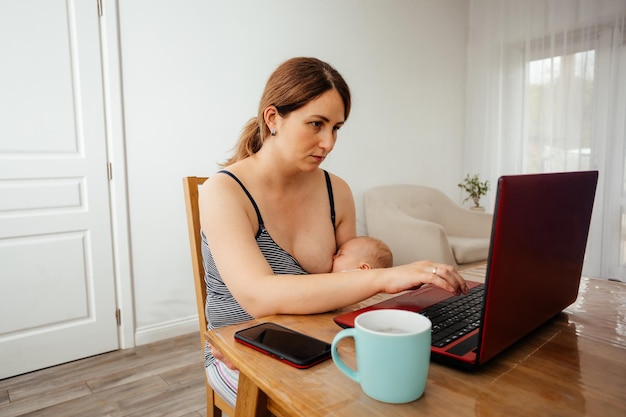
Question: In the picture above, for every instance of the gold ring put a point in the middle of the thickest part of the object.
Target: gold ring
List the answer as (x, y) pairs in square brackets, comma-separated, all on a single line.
[(435, 270)]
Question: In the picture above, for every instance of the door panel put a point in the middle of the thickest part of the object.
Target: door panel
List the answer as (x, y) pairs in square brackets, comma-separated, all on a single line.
[(57, 293)]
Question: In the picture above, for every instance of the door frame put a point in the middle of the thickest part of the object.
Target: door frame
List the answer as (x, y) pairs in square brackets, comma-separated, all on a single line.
[(115, 137)]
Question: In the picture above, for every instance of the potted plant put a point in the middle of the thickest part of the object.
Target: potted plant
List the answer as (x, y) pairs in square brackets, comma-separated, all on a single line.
[(474, 188)]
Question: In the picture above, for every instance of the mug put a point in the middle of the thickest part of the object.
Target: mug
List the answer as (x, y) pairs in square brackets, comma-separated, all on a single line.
[(392, 354)]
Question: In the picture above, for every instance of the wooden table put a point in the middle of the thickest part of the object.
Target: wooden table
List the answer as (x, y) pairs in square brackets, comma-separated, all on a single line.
[(575, 365)]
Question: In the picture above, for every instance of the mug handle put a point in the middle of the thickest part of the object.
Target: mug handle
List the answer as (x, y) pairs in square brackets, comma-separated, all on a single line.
[(352, 374)]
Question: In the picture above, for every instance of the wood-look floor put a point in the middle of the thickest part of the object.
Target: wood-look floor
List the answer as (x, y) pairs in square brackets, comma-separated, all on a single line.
[(160, 379)]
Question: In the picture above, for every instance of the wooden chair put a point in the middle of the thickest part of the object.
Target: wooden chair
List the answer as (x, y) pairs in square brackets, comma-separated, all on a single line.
[(215, 404)]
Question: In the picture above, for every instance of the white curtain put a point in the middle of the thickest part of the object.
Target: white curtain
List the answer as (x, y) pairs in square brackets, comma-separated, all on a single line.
[(546, 93)]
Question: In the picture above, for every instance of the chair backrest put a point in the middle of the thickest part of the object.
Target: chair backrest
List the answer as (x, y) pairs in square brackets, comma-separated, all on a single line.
[(215, 404), (191, 185), (415, 200)]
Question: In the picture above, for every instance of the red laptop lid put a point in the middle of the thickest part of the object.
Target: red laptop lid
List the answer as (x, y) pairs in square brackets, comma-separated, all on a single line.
[(539, 237)]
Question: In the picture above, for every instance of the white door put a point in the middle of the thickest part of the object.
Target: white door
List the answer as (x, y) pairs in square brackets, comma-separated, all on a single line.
[(57, 294)]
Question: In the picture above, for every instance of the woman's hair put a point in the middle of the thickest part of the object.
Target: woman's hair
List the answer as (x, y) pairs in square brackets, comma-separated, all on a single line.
[(293, 84)]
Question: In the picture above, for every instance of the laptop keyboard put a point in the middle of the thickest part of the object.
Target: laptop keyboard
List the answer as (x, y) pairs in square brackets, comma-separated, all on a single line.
[(455, 317)]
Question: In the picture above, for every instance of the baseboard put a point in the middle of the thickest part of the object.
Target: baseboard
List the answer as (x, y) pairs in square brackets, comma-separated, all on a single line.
[(166, 330)]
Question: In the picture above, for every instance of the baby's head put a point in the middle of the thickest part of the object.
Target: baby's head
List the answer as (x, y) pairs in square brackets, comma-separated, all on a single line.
[(362, 252)]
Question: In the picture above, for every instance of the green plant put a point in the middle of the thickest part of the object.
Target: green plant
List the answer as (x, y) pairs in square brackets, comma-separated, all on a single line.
[(474, 188)]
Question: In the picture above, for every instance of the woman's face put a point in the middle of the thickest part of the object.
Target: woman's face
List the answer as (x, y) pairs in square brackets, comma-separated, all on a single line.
[(309, 133)]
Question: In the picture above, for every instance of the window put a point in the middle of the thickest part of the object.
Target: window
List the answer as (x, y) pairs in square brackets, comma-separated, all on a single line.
[(559, 113), (546, 93)]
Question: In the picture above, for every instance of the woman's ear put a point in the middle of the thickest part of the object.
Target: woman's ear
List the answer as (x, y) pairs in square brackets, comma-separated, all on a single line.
[(269, 115), (364, 265)]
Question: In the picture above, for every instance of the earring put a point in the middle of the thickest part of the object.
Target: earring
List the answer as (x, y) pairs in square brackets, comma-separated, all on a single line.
[(273, 132)]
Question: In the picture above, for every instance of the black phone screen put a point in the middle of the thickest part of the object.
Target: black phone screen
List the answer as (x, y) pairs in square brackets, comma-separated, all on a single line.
[(295, 348)]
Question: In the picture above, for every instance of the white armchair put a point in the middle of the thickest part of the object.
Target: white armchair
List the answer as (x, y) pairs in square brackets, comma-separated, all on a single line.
[(421, 223)]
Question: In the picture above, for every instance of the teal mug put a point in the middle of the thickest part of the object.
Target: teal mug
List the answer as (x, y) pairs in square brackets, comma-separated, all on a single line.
[(392, 354)]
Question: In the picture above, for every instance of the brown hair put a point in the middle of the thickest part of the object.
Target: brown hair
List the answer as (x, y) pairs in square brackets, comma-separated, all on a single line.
[(292, 85), (378, 252)]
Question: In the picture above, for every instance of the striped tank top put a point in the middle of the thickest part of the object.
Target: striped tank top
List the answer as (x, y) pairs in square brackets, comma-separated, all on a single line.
[(221, 308)]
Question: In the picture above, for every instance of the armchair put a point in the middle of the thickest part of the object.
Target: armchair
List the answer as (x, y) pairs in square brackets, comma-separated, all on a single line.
[(419, 223)]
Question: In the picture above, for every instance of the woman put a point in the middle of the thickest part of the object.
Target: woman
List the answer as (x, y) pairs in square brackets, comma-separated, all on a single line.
[(273, 220)]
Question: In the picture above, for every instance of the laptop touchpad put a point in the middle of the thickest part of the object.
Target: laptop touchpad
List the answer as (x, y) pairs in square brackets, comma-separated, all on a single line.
[(465, 346)]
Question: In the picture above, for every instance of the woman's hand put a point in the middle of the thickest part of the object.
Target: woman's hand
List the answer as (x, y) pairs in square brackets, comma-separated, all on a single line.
[(426, 272), (220, 357)]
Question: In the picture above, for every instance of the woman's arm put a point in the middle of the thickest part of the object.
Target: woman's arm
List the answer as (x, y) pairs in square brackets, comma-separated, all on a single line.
[(230, 229)]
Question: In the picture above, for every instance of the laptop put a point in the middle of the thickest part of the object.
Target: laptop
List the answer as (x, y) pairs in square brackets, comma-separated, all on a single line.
[(538, 240)]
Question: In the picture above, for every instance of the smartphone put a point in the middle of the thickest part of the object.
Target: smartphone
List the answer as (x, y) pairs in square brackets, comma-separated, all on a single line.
[(286, 345)]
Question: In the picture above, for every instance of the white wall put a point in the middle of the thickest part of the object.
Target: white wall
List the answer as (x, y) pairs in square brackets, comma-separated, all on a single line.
[(193, 72)]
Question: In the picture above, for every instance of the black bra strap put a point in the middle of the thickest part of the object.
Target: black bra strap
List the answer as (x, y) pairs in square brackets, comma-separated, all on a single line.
[(329, 186), (258, 213)]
